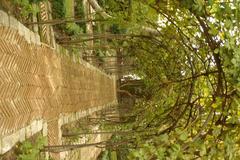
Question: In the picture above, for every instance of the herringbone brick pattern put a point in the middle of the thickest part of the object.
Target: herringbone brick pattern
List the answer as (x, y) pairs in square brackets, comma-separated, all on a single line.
[(36, 83)]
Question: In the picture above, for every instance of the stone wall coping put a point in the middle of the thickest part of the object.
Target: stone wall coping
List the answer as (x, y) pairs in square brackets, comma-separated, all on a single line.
[(8, 141)]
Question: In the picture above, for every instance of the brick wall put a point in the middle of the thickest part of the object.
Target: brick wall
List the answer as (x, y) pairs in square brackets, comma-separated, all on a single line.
[(38, 83)]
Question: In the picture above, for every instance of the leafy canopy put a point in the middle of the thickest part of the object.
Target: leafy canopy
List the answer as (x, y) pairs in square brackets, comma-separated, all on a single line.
[(187, 52)]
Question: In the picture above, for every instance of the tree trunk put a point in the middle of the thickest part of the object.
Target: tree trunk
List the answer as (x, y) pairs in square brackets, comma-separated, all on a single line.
[(99, 9), (95, 133), (66, 20), (64, 148)]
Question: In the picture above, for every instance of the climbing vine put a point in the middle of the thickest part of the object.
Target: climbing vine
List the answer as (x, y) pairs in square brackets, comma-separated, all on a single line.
[(188, 57), (31, 151)]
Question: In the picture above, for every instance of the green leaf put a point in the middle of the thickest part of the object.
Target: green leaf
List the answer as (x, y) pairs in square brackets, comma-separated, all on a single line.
[(216, 51), (183, 136), (164, 138)]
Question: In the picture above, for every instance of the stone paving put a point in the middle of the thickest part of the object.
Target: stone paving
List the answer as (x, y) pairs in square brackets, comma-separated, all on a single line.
[(38, 84)]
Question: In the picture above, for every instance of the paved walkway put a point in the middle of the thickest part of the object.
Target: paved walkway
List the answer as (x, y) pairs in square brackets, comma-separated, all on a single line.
[(37, 83)]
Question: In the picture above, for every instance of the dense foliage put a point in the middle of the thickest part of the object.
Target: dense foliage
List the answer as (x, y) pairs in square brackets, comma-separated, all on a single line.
[(68, 9), (187, 53), (31, 151), (26, 8)]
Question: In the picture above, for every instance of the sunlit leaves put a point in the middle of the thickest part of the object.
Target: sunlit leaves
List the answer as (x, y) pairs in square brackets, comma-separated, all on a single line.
[(192, 77)]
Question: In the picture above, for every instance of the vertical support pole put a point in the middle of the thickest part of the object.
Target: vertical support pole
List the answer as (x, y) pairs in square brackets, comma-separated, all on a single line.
[(34, 18), (89, 27)]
